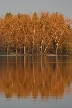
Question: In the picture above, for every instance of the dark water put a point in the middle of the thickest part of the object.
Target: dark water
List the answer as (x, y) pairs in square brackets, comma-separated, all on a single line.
[(36, 82)]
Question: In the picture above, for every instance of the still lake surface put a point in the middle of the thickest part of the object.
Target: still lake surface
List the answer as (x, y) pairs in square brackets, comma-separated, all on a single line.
[(36, 82)]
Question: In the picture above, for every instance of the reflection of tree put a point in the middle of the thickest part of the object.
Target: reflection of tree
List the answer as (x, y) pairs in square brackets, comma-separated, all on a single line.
[(23, 79)]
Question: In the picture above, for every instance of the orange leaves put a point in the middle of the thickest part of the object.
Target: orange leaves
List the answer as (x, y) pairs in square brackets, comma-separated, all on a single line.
[(37, 29)]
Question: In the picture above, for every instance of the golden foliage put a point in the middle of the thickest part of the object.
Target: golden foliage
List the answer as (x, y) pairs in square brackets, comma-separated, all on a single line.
[(36, 33)]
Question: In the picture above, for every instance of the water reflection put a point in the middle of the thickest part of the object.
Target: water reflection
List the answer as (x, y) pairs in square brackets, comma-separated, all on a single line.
[(35, 76)]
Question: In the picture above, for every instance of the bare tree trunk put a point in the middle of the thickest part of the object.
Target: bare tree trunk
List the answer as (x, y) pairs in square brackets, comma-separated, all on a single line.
[(25, 45), (24, 50), (56, 48), (33, 40), (41, 47), (7, 50), (16, 51), (33, 45), (32, 49), (7, 63), (16, 61)]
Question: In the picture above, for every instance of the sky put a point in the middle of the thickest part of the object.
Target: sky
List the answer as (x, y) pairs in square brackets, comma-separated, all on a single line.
[(28, 6)]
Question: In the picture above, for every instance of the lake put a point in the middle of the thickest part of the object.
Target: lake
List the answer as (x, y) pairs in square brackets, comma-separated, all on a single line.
[(36, 81)]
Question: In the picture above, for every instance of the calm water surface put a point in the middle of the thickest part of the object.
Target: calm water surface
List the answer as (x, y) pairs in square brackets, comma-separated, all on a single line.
[(36, 82)]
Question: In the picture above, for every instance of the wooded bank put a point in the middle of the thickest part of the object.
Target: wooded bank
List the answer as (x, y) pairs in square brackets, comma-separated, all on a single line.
[(41, 33)]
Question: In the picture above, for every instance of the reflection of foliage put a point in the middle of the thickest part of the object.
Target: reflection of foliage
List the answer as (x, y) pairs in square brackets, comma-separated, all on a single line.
[(35, 33), (48, 79)]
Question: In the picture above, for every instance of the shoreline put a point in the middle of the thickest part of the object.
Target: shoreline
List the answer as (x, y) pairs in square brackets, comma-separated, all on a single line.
[(35, 55)]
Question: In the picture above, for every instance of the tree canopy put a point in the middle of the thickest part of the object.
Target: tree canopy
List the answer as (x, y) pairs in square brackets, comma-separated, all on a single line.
[(43, 33)]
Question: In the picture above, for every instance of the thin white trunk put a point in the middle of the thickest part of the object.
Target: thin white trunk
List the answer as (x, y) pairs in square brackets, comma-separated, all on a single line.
[(41, 47), (7, 50), (24, 50), (33, 40)]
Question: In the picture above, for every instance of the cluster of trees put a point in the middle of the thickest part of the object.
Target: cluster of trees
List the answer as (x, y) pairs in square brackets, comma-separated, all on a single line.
[(44, 79), (41, 33)]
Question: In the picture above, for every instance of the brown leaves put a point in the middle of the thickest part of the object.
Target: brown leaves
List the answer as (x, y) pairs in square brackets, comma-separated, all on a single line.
[(35, 29)]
